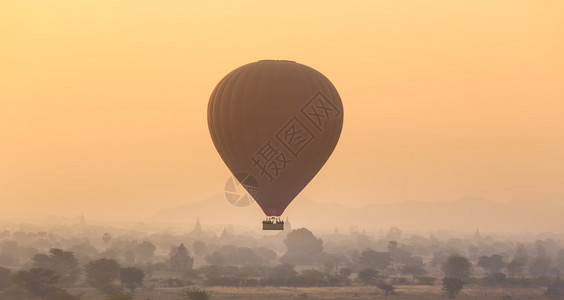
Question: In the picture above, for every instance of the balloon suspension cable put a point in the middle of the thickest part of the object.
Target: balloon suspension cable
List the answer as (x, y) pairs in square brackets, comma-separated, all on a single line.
[(273, 223)]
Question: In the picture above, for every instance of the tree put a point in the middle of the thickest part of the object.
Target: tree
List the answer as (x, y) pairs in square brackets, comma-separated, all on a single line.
[(131, 277), (195, 294), (386, 287), (522, 253), (452, 286), (492, 264), (101, 272), (199, 248), (367, 275), (345, 272), (379, 260), (5, 278), (241, 256), (413, 270), (303, 247), (560, 260), (554, 288), (266, 254), (394, 234), (215, 258), (311, 277), (425, 280), (515, 267), (106, 238), (38, 282), (540, 266), (282, 271), (303, 241), (457, 266), (63, 263), (145, 251)]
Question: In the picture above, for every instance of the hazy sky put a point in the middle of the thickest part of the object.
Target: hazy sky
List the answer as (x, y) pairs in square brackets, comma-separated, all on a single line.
[(103, 103)]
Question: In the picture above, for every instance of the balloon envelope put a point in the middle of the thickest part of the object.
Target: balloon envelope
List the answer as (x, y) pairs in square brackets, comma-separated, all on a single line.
[(275, 124)]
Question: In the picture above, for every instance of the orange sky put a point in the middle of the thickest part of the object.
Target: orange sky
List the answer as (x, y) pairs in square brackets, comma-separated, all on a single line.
[(103, 103)]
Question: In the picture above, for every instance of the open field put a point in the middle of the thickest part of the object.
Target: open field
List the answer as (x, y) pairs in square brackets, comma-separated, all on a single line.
[(352, 292)]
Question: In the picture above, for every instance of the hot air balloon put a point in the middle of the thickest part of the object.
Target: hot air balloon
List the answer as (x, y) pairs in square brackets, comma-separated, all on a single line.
[(275, 123)]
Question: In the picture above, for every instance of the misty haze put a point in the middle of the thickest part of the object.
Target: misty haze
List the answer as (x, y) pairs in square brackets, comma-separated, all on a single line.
[(194, 150)]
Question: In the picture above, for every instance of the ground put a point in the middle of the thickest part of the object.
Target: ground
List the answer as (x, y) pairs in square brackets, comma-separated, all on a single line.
[(352, 292)]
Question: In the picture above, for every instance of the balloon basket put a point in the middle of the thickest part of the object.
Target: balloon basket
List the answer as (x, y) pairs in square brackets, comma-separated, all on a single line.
[(272, 223)]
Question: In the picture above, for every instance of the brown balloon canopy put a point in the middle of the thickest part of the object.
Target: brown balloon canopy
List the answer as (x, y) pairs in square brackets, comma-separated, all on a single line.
[(275, 123)]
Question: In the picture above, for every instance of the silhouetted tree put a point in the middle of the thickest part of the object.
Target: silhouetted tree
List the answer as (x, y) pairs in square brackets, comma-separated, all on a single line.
[(283, 274), (540, 266), (106, 238), (555, 288), (63, 263), (195, 294), (282, 271), (266, 254), (457, 266), (492, 264), (303, 241), (215, 258), (521, 253), (129, 257), (38, 282), (240, 256), (380, 260), (386, 287), (560, 260), (494, 279), (452, 286), (311, 277), (131, 277), (367, 275), (413, 270), (303, 247), (394, 234), (5, 278), (101, 272), (345, 272), (145, 251), (426, 280), (199, 248), (515, 267)]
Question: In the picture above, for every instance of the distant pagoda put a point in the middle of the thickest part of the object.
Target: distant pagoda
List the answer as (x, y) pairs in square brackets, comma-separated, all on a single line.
[(287, 225), (181, 261), (197, 231)]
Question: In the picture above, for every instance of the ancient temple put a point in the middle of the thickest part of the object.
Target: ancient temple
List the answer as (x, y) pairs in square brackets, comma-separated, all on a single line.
[(197, 231), (181, 260)]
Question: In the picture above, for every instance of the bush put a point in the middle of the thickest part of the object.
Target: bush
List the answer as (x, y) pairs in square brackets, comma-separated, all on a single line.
[(519, 282), (195, 294), (230, 281), (173, 282), (386, 287), (312, 277), (494, 279), (338, 280), (345, 272), (400, 280), (367, 275), (109, 289), (5, 278), (452, 286), (426, 280)]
